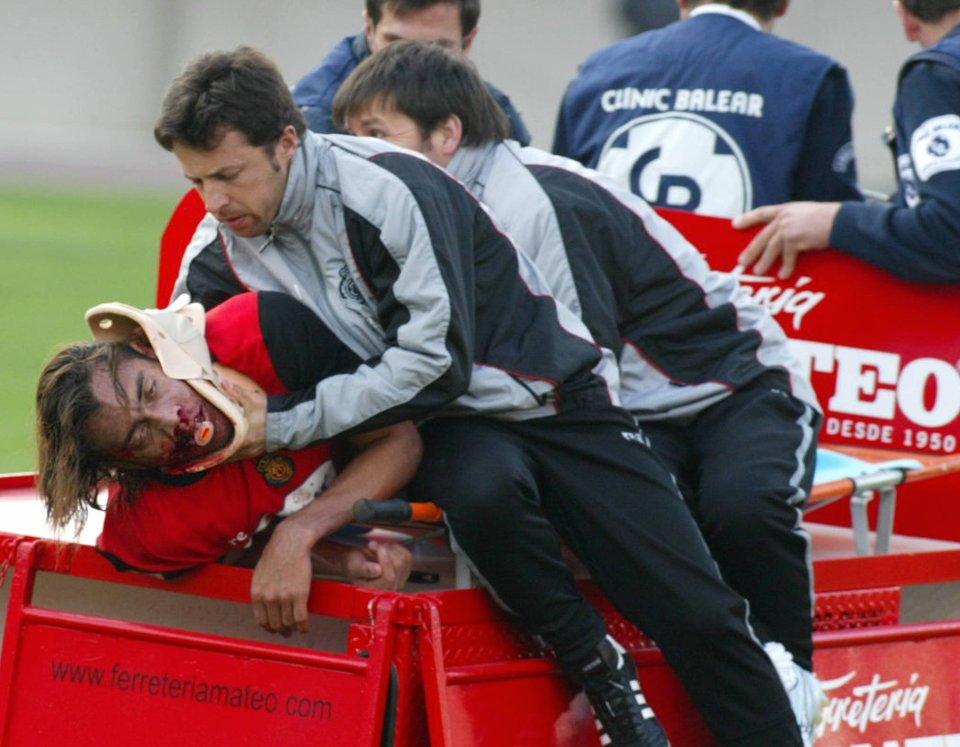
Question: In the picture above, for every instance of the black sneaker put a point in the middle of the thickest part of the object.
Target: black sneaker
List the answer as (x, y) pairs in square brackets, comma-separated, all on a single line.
[(609, 678)]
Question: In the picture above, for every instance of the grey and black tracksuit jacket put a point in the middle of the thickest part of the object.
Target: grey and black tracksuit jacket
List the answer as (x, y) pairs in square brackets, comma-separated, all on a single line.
[(407, 270), (705, 369)]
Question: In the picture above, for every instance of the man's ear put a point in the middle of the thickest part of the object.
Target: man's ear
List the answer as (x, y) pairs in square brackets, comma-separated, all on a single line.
[(911, 24), (782, 10), (368, 30), (468, 40), (287, 144), (447, 136)]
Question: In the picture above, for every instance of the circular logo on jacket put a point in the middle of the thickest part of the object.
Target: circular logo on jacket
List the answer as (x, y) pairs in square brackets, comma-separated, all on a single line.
[(939, 146), (679, 160), (935, 146), (348, 288), (276, 469)]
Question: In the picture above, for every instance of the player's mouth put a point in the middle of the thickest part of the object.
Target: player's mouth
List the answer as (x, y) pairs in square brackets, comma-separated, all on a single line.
[(235, 222), (192, 436)]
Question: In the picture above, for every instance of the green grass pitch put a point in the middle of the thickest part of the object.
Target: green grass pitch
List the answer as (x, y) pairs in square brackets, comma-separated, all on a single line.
[(61, 252)]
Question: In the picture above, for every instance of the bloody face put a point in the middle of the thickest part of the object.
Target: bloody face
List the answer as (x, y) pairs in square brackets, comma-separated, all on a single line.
[(147, 419)]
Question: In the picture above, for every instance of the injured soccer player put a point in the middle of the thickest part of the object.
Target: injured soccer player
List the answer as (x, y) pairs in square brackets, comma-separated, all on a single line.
[(147, 412)]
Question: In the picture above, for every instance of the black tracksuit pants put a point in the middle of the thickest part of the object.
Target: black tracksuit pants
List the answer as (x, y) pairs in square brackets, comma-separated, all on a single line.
[(745, 466), (587, 474)]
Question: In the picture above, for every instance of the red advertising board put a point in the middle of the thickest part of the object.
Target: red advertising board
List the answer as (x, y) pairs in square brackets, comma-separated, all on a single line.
[(84, 679), (882, 353), (114, 685), (891, 688)]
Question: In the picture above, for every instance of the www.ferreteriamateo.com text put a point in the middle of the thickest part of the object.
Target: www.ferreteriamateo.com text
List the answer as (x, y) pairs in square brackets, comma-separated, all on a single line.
[(154, 685)]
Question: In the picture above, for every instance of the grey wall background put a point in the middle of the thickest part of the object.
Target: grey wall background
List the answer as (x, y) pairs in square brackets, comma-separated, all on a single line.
[(80, 83)]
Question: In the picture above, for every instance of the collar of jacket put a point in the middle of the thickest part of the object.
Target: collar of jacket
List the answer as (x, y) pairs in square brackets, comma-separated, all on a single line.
[(297, 206), (471, 165)]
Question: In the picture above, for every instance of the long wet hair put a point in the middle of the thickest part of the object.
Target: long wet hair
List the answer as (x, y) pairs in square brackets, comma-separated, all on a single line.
[(70, 469)]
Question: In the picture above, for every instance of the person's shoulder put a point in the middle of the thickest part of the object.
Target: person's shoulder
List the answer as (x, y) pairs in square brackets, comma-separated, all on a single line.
[(795, 52), (350, 146), (368, 169), (565, 179), (325, 79), (942, 60)]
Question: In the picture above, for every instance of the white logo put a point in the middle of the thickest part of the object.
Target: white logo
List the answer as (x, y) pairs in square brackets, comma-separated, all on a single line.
[(681, 161), (635, 436), (795, 302), (874, 702), (908, 180), (935, 146), (241, 540), (875, 384)]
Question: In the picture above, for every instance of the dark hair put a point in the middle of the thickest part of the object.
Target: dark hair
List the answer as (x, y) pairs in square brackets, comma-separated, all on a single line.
[(426, 83), (239, 90), (929, 10), (764, 9), (469, 10), (70, 470)]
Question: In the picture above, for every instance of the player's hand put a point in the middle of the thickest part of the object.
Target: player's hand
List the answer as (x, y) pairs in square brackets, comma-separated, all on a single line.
[(281, 580), (379, 565), (791, 228)]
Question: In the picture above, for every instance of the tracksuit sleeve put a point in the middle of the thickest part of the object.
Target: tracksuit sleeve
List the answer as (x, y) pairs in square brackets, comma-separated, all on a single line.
[(415, 259)]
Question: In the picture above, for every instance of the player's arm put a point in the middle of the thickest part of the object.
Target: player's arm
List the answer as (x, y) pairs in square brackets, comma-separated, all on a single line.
[(386, 461)]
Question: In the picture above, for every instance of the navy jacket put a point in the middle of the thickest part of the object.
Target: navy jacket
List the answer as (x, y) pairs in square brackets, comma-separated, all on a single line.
[(917, 235), (714, 116)]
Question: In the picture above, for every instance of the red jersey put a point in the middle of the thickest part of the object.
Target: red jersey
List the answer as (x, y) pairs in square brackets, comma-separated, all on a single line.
[(177, 522)]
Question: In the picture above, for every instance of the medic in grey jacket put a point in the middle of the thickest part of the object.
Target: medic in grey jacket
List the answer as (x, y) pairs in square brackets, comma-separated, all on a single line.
[(387, 250), (917, 236), (685, 335)]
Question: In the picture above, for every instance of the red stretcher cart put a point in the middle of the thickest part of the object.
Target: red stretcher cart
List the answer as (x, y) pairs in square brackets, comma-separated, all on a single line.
[(96, 657)]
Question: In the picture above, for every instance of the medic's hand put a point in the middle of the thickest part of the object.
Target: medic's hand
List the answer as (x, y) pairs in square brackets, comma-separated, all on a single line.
[(792, 227), (254, 402)]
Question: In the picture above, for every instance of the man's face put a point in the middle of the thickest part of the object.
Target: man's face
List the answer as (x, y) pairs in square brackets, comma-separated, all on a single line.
[(241, 184), (439, 23), (377, 120), (159, 424)]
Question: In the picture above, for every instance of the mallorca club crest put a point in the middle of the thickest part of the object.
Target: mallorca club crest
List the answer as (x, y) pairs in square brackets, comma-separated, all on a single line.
[(276, 469)]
